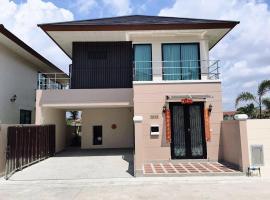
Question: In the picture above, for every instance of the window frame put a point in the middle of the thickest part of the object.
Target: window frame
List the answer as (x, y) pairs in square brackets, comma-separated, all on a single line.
[(151, 58), (181, 43)]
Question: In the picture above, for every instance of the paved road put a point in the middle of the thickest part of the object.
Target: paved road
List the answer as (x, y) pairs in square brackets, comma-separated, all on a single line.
[(139, 188)]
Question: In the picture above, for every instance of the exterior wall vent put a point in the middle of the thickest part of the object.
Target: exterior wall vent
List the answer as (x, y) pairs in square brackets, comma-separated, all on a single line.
[(257, 158)]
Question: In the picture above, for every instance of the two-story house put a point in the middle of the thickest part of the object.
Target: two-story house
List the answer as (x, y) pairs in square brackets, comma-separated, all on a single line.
[(19, 69), (142, 82)]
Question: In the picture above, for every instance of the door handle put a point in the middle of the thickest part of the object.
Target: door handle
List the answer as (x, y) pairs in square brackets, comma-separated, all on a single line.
[(188, 130)]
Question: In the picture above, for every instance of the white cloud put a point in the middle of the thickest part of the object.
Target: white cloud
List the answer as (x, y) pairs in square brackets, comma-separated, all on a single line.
[(85, 7), (245, 50), (22, 20), (118, 7), (250, 84)]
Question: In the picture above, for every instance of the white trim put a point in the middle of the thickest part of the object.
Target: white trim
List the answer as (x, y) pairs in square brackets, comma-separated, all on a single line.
[(174, 82), (137, 119)]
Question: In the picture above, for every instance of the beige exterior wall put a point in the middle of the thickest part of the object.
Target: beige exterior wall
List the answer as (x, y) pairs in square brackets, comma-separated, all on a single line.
[(258, 133), (85, 98), (237, 138), (17, 77), (149, 99), (3, 145), (233, 143), (52, 116), (121, 137)]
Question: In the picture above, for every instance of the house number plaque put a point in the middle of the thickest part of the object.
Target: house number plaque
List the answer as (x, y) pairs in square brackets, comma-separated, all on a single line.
[(153, 116)]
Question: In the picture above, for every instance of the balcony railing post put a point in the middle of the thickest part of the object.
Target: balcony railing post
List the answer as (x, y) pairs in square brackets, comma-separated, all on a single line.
[(49, 84), (218, 69), (55, 80), (39, 75)]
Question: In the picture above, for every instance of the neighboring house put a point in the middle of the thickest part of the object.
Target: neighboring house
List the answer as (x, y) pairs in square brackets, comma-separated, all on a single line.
[(144, 82), (19, 67), (229, 115)]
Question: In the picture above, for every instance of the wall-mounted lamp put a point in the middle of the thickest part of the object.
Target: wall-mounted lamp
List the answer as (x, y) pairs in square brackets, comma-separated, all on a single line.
[(13, 98), (210, 108), (164, 108)]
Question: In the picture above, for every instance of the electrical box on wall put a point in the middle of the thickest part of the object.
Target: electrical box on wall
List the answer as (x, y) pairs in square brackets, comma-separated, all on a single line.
[(154, 130)]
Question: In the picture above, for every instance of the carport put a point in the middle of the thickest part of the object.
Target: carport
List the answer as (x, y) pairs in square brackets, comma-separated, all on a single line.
[(75, 164), (107, 136)]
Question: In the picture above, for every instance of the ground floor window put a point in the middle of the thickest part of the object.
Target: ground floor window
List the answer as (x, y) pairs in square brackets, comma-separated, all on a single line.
[(97, 135), (25, 116)]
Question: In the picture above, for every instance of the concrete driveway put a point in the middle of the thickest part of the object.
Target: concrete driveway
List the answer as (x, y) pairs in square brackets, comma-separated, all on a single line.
[(74, 164)]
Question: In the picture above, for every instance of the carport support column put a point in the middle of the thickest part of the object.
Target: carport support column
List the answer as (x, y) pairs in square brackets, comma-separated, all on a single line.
[(138, 157)]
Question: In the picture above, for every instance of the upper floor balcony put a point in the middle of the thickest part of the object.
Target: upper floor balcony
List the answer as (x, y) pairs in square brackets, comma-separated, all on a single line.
[(149, 72), (178, 70)]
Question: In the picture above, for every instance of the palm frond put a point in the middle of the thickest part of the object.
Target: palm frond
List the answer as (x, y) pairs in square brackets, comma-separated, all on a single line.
[(263, 87), (74, 115), (244, 97), (266, 103)]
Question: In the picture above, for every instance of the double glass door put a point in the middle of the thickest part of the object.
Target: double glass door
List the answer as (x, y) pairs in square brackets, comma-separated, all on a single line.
[(188, 139)]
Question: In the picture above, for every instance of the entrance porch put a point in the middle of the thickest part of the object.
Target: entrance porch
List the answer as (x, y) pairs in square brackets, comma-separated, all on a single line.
[(186, 168)]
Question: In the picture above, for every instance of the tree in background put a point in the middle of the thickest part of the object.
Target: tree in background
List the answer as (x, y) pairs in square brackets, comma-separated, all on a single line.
[(258, 99), (249, 109), (74, 116)]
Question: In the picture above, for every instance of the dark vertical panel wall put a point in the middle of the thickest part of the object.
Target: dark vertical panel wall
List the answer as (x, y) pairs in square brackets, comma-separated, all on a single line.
[(102, 65)]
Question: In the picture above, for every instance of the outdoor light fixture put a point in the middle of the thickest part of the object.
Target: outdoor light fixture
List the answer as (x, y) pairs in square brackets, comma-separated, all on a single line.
[(210, 108), (13, 98), (164, 108)]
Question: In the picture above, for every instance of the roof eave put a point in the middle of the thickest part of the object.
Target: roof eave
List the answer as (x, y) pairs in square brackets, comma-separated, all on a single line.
[(27, 48), (125, 27), (235, 23)]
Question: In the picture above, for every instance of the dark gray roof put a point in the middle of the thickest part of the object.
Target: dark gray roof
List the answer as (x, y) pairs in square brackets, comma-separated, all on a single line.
[(141, 20)]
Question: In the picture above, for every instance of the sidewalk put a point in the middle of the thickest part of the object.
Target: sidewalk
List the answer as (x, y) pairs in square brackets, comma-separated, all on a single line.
[(237, 187)]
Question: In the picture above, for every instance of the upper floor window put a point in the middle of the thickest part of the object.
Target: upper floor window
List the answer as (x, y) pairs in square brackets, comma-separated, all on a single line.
[(181, 61), (143, 62)]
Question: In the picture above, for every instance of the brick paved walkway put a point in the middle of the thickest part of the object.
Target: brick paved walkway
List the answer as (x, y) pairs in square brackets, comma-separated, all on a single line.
[(188, 168)]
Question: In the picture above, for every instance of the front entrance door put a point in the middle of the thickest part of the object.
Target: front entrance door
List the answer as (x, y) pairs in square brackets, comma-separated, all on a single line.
[(188, 139)]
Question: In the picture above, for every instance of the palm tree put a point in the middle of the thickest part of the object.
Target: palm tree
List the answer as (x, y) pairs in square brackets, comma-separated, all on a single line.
[(263, 88), (74, 115), (249, 109), (266, 103)]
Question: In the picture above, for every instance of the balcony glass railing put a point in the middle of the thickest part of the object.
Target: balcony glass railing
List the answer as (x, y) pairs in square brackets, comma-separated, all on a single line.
[(148, 71), (53, 81), (176, 70)]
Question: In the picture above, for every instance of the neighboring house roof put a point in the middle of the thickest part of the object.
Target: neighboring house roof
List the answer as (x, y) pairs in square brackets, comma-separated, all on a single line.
[(46, 64), (138, 22), (229, 113)]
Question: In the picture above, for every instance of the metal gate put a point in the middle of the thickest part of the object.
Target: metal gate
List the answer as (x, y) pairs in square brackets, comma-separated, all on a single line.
[(27, 145)]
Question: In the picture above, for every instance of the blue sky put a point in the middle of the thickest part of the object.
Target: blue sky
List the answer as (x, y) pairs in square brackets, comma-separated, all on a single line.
[(148, 7), (244, 52)]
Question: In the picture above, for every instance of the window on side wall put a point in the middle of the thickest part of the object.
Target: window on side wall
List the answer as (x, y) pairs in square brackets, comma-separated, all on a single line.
[(25, 116), (143, 62)]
